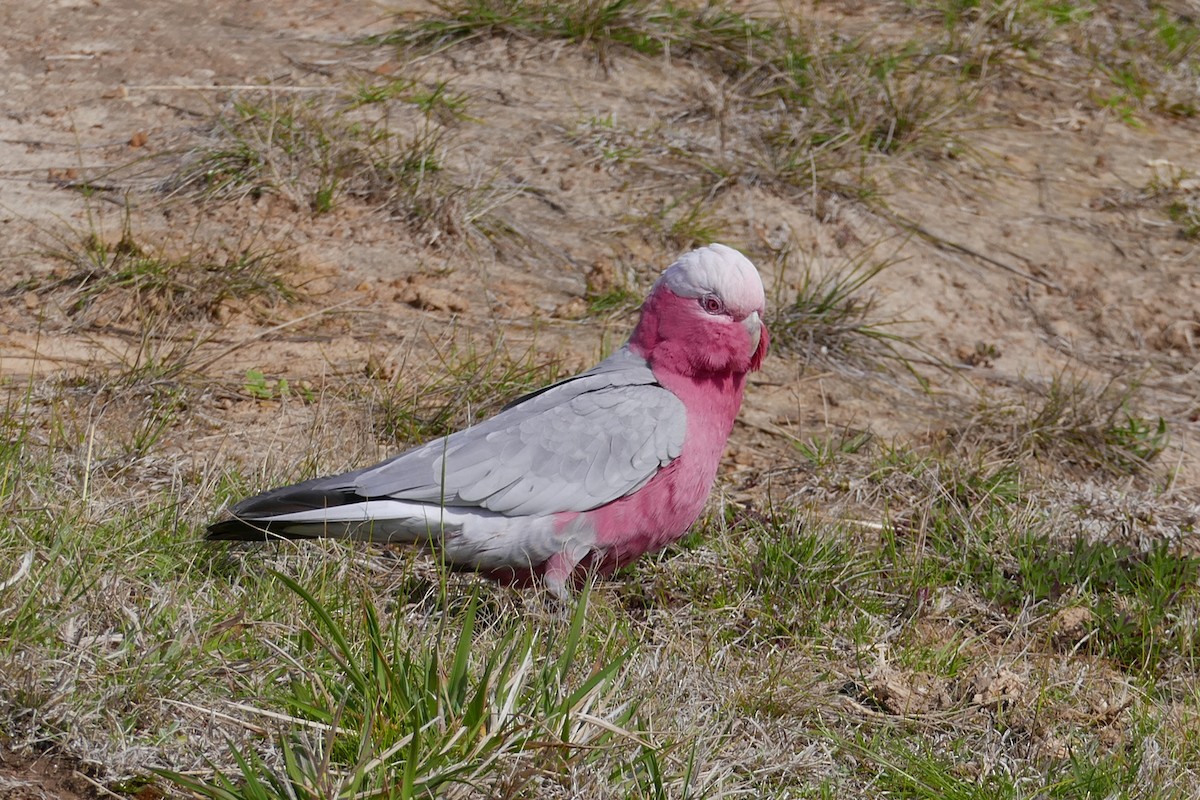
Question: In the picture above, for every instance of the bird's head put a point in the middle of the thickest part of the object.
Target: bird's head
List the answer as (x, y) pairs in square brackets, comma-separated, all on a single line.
[(704, 315)]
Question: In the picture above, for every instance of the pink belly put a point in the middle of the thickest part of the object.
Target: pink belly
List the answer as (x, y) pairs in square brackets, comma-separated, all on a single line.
[(654, 516)]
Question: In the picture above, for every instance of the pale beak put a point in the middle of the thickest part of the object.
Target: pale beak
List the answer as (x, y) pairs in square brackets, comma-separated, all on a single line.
[(753, 327)]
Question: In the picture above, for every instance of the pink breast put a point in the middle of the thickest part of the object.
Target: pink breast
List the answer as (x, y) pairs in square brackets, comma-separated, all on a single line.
[(661, 511)]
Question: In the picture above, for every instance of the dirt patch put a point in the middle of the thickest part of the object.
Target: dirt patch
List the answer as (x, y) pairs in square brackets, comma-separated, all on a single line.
[(44, 779)]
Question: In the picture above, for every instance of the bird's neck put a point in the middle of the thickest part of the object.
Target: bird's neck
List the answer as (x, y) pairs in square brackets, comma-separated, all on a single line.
[(710, 397)]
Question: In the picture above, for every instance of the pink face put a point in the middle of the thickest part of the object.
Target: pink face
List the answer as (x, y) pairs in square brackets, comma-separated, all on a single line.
[(705, 315)]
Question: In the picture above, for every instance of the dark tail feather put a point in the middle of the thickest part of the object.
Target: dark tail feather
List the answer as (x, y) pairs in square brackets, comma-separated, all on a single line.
[(244, 530), (247, 523)]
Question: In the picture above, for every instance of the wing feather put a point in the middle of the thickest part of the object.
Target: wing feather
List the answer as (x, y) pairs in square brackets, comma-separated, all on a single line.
[(571, 447)]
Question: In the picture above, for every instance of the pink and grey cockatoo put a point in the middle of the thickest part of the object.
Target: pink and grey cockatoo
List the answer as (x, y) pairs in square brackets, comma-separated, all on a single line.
[(588, 473)]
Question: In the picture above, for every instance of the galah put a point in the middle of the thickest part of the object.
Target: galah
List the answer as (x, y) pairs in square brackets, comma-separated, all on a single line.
[(586, 474)]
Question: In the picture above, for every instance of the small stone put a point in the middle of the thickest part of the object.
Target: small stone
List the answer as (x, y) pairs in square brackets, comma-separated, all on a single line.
[(1070, 625), (430, 298), (575, 308), (996, 689)]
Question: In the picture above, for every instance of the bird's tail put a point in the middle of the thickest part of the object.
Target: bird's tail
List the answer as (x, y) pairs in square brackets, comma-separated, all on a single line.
[(256, 520), (248, 530), (319, 508)]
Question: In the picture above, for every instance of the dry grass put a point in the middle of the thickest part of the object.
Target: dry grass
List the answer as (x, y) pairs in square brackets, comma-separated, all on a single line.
[(1073, 425), (381, 144), (835, 321), (102, 278), (466, 382), (317, 152)]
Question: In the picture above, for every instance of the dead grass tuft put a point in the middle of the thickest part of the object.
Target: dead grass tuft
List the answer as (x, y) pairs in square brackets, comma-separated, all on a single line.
[(835, 320), (1075, 424), (315, 152), (99, 281), (464, 382), (384, 146)]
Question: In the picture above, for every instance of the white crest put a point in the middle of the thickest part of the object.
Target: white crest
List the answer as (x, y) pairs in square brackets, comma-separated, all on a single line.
[(720, 270)]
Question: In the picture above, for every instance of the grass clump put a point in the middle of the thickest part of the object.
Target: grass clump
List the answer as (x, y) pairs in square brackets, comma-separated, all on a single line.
[(377, 719), (1008, 15), (465, 383), (799, 107), (1072, 422), (835, 320), (781, 576), (642, 26), (319, 152), (857, 101), (683, 223), (917, 770), (1132, 599), (827, 450), (99, 281), (1145, 57), (1151, 64), (1178, 191), (803, 580)]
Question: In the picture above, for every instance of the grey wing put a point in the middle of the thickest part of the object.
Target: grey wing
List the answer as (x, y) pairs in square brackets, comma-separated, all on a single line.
[(581, 444)]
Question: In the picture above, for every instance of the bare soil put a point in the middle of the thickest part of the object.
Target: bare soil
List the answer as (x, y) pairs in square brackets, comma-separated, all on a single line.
[(25, 778)]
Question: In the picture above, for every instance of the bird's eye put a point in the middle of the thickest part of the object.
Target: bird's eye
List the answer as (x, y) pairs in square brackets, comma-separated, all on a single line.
[(712, 304)]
